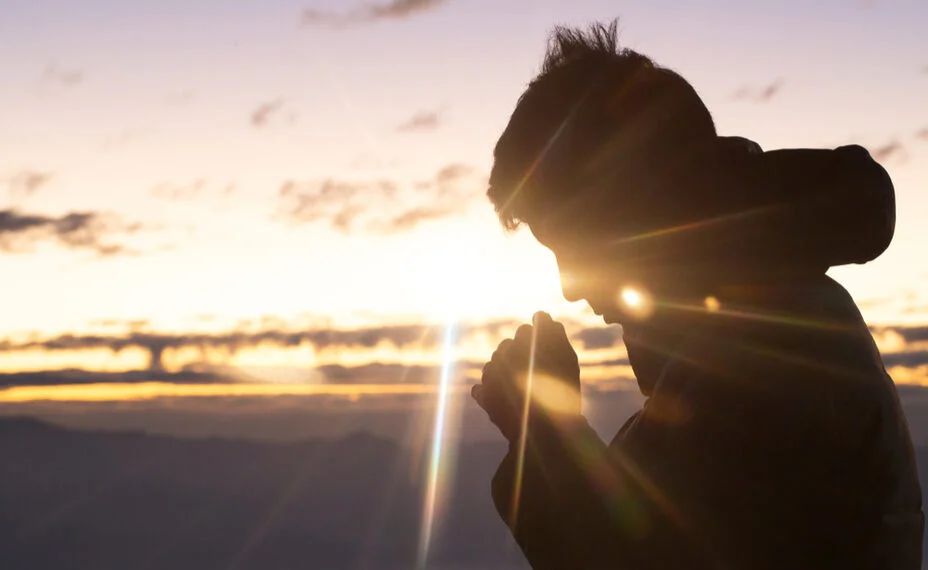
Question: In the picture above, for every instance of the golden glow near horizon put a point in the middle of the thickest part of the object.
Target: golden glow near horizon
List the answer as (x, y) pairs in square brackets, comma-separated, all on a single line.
[(117, 392)]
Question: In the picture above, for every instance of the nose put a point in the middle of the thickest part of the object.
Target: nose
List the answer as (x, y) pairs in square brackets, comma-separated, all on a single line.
[(571, 287), (572, 283)]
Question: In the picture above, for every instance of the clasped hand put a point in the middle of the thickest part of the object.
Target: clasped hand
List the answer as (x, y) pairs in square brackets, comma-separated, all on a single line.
[(553, 387)]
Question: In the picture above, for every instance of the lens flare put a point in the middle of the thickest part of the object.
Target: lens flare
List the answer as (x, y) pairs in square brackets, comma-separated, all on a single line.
[(523, 435), (636, 302), (438, 434), (631, 297)]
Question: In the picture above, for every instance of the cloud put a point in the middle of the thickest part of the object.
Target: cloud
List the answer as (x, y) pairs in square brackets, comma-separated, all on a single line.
[(55, 74), (339, 202), (452, 173), (371, 373), (411, 218), (369, 13), (922, 133), (761, 95), (181, 97), (76, 376), (399, 336), (76, 230), (170, 191), (265, 111), (421, 121), (910, 359), (131, 324), (394, 373), (440, 197), (910, 334), (377, 206), (597, 338), (196, 188), (27, 182), (887, 151), (915, 309)]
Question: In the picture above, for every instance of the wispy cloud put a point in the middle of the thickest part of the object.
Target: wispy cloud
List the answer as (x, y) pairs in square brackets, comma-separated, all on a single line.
[(598, 338), (386, 368), (378, 206), (262, 115), (19, 232), (198, 188), (181, 97), (909, 334), (55, 74), (27, 182), (337, 201), (187, 191), (399, 336), (421, 121), (368, 13), (891, 149), (761, 95)]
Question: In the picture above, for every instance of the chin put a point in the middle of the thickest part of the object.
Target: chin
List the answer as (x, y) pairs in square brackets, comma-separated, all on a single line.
[(612, 318)]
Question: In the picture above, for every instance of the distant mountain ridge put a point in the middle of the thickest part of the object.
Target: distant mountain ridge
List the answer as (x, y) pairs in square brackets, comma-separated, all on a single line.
[(71, 499), (128, 500)]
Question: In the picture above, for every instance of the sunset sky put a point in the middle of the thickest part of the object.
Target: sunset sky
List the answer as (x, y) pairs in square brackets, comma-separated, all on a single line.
[(295, 190)]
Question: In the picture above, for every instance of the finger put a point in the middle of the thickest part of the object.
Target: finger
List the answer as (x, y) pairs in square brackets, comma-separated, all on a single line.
[(524, 335), (511, 356), (492, 374), (502, 349), (553, 346), (547, 326), (540, 318), (500, 383)]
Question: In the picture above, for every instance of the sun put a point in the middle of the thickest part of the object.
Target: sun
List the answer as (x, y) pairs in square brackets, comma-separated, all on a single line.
[(461, 276)]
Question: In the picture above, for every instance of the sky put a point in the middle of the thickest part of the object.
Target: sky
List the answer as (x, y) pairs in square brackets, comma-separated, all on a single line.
[(293, 192)]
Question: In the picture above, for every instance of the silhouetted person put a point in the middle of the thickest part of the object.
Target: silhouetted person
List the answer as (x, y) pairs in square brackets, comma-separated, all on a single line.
[(772, 436)]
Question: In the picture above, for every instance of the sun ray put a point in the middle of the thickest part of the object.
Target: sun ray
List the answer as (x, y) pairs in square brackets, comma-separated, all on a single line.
[(544, 151), (400, 469), (697, 225), (523, 433), (434, 476), (718, 308)]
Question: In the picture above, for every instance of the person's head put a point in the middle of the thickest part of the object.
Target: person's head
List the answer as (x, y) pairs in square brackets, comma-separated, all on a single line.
[(593, 158)]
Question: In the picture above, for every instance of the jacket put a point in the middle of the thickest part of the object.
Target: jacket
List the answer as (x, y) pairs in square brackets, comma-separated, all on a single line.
[(773, 438)]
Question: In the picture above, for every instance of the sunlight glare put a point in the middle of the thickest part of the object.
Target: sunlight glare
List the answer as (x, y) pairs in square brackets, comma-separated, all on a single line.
[(631, 297), (435, 475), (636, 302), (523, 434)]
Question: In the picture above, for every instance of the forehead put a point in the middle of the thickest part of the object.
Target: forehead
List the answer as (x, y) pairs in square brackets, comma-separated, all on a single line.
[(572, 236)]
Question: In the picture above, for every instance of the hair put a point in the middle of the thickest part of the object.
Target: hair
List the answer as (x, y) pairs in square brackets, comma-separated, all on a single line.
[(594, 109)]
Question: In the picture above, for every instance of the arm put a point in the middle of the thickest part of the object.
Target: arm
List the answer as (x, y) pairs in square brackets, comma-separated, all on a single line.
[(583, 505), (574, 508), (570, 506)]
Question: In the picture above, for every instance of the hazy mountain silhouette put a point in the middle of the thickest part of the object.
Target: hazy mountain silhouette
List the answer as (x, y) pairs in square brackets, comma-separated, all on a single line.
[(103, 500), (71, 499)]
